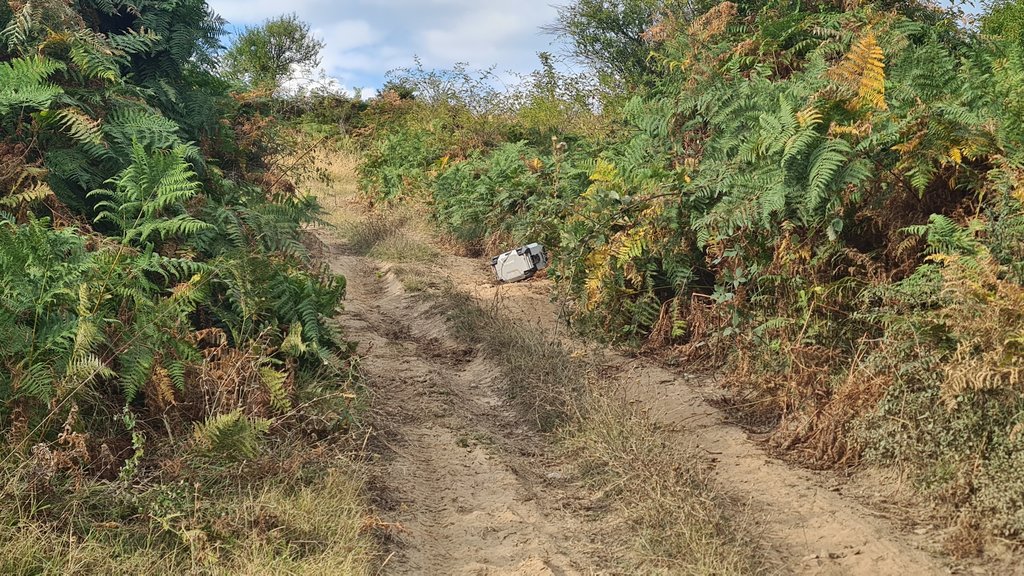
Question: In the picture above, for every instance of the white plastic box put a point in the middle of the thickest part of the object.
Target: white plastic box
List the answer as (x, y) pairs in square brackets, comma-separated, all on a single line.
[(519, 264)]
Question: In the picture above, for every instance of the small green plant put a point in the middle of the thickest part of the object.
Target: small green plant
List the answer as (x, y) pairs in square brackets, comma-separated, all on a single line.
[(232, 435)]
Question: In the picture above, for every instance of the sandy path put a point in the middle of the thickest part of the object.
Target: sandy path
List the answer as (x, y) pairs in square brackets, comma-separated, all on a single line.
[(467, 480), (461, 472)]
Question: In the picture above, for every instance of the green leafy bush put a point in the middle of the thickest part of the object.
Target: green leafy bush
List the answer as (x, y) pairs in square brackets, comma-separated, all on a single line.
[(128, 252)]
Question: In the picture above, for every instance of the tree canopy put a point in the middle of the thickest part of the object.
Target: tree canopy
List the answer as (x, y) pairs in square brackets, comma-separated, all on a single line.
[(268, 55)]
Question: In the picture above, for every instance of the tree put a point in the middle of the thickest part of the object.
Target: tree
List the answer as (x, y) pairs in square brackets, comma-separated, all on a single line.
[(266, 56), (609, 36)]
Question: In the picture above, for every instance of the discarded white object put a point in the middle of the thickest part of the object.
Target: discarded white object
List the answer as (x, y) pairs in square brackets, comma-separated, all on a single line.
[(520, 264)]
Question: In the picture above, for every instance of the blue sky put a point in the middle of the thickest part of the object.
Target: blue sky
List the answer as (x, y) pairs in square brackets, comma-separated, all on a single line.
[(366, 38)]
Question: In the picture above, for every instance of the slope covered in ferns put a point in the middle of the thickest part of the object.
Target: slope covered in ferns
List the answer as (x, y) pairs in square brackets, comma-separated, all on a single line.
[(160, 315)]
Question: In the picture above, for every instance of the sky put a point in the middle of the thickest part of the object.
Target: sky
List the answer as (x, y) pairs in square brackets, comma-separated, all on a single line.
[(366, 38)]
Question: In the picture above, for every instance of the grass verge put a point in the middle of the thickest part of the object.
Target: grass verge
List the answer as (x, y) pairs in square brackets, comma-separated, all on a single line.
[(296, 508), (679, 522)]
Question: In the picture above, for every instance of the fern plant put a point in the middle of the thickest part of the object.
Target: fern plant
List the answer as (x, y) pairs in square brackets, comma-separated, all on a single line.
[(24, 85), (148, 199), (49, 349), (118, 244), (232, 435)]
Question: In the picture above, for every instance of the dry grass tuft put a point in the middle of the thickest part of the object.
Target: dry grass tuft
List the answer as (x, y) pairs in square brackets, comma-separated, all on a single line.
[(401, 248), (299, 510), (372, 231), (543, 379), (682, 523)]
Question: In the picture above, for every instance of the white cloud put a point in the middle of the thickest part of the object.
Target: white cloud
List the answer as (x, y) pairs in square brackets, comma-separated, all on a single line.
[(482, 36), (366, 38), (347, 35)]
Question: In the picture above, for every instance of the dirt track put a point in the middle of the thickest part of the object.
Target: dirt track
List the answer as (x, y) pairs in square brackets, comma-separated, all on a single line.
[(462, 475), (478, 492)]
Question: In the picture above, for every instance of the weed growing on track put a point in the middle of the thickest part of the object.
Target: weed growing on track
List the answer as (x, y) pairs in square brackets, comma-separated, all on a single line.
[(372, 231), (544, 381), (682, 524)]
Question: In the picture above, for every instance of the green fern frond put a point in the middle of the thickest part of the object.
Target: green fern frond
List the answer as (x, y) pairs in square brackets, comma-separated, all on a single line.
[(825, 163), (23, 85), (94, 60), (232, 435), (274, 382)]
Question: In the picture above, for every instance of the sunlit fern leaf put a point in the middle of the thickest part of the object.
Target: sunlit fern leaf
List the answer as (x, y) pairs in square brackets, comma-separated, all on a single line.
[(176, 372), (148, 198), (773, 201), (23, 84), (863, 70), (83, 129), (126, 127), (86, 368), (232, 435), (94, 60), (34, 194), (946, 236), (274, 381), (293, 345)]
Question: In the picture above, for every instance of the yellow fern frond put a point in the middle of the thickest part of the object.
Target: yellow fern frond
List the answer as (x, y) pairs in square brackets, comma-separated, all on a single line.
[(597, 271), (630, 245), (956, 155), (605, 171), (809, 116), (34, 194), (593, 288), (863, 71), (1018, 193), (905, 148), (160, 390), (292, 344)]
